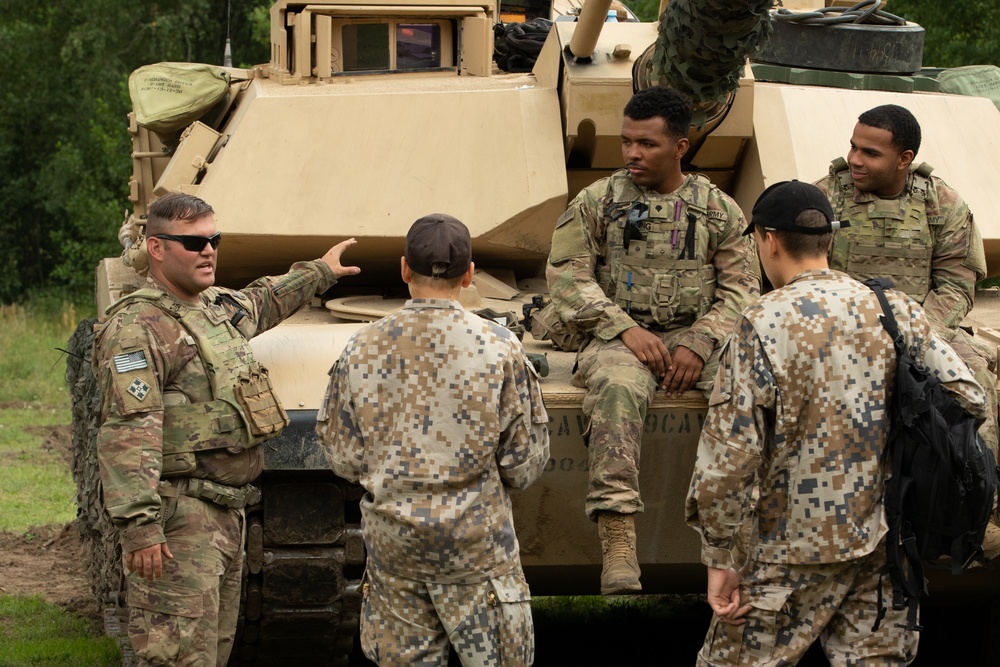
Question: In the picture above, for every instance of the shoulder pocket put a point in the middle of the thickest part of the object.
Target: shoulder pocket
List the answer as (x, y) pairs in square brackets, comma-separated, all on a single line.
[(133, 380), (569, 239)]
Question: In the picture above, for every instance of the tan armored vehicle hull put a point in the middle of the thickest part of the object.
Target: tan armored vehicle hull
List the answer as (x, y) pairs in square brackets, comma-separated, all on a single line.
[(322, 144)]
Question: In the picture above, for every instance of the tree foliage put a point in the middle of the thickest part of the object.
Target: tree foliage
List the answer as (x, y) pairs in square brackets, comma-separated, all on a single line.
[(64, 145), (961, 32)]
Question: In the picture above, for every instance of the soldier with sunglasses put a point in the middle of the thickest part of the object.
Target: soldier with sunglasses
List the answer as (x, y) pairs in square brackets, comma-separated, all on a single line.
[(648, 271), (185, 406)]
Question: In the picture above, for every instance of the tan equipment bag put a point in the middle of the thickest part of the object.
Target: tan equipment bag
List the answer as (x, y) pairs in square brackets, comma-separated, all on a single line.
[(167, 97)]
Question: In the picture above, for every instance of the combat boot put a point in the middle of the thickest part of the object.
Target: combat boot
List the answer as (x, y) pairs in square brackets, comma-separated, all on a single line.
[(620, 573)]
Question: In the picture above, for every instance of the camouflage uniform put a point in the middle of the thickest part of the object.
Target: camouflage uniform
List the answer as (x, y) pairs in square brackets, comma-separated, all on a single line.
[(435, 410), (185, 405), (797, 415), (686, 275), (927, 243)]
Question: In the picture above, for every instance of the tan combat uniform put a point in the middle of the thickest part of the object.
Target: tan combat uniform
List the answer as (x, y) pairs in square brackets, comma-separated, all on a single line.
[(435, 411), (185, 406), (685, 274), (798, 415)]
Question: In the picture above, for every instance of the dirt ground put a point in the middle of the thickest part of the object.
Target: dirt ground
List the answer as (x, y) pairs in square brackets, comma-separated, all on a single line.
[(49, 560)]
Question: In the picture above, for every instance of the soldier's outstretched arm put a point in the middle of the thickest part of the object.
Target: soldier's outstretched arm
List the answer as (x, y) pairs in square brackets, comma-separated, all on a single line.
[(276, 297), (333, 256)]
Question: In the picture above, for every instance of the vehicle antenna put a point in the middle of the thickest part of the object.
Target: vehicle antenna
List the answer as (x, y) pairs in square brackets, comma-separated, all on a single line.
[(227, 55)]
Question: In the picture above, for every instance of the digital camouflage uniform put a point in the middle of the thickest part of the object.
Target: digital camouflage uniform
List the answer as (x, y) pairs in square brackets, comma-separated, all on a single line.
[(185, 406), (434, 411), (687, 274), (927, 243), (798, 416)]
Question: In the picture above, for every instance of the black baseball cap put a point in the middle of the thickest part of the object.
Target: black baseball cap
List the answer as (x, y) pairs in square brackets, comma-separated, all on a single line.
[(438, 239), (779, 206)]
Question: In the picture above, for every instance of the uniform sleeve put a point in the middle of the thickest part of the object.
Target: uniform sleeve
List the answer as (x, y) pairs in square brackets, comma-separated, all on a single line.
[(731, 448), (276, 297), (524, 433), (572, 271), (737, 275), (337, 424), (959, 260), (130, 364)]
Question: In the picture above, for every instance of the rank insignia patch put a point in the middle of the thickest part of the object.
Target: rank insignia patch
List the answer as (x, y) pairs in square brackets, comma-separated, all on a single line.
[(130, 361), (138, 388)]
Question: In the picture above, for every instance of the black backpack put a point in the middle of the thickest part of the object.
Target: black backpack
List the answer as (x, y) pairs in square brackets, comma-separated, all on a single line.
[(942, 489)]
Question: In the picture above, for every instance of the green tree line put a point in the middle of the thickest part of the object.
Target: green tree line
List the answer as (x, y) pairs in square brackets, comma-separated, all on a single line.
[(64, 148), (64, 145)]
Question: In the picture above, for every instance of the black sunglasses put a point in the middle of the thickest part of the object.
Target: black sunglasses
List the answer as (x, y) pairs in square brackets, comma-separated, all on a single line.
[(193, 243)]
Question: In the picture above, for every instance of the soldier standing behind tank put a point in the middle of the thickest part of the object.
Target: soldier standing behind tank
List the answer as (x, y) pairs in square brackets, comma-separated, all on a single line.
[(185, 408), (649, 268), (435, 411), (910, 227), (798, 413)]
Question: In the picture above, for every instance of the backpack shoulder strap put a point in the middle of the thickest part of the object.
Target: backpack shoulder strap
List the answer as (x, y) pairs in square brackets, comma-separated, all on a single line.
[(879, 285)]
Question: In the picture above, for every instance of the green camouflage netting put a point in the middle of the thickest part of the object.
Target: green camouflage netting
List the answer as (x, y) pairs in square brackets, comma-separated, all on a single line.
[(702, 46)]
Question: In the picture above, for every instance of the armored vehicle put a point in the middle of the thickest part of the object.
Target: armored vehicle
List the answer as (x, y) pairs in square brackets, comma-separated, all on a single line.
[(372, 113)]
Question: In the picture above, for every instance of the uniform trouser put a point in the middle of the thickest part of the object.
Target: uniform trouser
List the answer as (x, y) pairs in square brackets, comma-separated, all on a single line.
[(965, 346), (408, 623), (188, 618), (619, 391), (793, 605)]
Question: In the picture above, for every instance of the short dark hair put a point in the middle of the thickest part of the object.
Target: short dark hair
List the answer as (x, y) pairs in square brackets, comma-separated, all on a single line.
[(799, 246), (899, 122), (673, 106), (447, 283), (174, 206)]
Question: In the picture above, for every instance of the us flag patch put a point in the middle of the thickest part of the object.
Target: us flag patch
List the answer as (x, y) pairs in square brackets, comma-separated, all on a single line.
[(138, 388), (130, 361)]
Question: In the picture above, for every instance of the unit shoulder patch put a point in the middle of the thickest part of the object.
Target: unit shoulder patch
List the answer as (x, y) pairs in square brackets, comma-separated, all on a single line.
[(138, 388)]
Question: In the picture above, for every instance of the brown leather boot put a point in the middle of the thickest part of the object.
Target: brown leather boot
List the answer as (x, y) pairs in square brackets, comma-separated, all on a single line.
[(621, 568)]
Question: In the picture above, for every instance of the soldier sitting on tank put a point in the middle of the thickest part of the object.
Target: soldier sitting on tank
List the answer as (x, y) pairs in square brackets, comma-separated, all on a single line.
[(185, 408), (436, 411), (649, 269), (910, 227)]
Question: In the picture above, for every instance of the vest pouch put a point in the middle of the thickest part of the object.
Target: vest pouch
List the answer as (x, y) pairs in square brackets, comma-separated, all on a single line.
[(907, 266), (683, 294), (547, 325), (197, 427), (178, 463), (256, 396)]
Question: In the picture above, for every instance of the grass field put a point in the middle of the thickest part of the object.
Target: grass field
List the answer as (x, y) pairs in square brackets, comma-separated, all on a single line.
[(36, 487)]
